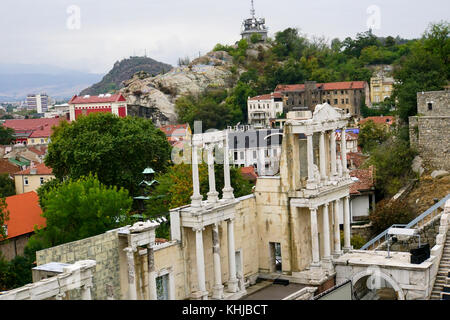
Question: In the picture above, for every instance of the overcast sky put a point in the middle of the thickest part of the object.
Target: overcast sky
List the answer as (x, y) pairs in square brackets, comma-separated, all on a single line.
[(49, 31)]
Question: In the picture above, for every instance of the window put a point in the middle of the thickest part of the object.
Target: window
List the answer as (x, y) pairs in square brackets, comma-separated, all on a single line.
[(235, 156), (346, 101), (42, 180), (162, 287), (267, 153), (342, 91), (274, 152), (25, 181), (342, 101), (5, 227), (430, 106), (335, 101), (42, 140), (254, 154), (32, 140), (242, 155), (335, 92)]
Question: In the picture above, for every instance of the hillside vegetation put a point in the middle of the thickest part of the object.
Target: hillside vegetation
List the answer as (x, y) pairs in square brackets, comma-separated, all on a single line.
[(124, 70), (290, 58)]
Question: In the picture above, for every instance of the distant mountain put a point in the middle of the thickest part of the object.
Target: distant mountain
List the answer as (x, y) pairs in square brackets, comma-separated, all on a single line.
[(124, 70), (18, 80)]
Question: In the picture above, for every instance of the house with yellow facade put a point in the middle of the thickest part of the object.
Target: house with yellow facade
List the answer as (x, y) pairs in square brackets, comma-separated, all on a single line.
[(32, 178), (381, 88)]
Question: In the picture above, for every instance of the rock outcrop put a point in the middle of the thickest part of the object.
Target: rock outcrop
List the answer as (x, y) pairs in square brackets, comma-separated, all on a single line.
[(156, 96)]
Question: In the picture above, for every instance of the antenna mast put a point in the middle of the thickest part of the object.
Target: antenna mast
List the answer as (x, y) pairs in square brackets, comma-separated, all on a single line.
[(252, 11)]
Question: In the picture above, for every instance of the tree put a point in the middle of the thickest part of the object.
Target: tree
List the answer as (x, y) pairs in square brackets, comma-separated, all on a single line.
[(6, 135), (388, 213), (116, 149), (7, 187), (81, 208), (424, 68), (371, 135), (392, 161), (4, 217)]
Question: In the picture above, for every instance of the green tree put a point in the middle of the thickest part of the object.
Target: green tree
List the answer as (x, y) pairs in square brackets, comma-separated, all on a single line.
[(7, 187), (6, 135), (392, 161), (371, 135), (115, 149), (388, 213), (79, 209), (424, 68)]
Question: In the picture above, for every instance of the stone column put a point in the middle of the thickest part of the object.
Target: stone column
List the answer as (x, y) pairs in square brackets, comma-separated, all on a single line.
[(347, 231), (326, 233), (200, 262), (333, 153), (310, 158), (151, 273), (132, 294), (227, 191), (86, 292), (196, 197), (337, 231), (232, 281), (344, 153), (213, 195), (322, 157), (314, 238), (218, 287)]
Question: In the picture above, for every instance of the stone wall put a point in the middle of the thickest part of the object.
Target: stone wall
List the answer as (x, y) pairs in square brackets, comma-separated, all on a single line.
[(430, 136), (104, 249), (429, 131)]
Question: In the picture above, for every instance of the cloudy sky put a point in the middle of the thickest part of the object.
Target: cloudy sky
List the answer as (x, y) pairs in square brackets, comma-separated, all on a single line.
[(89, 35)]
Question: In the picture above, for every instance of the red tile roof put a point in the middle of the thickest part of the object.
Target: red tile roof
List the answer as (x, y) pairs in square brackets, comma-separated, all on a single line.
[(97, 99), (267, 96), (41, 169), (179, 129), (39, 152), (366, 180), (380, 120), (248, 173), (7, 167), (24, 214), (33, 124), (357, 159), (347, 85), (348, 136)]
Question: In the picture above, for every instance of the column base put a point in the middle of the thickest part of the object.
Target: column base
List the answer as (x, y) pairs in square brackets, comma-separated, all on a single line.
[(196, 201), (218, 292), (199, 295), (347, 249), (228, 194), (337, 254), (316, 265), (327, 264), (232, 286), (213, 197)]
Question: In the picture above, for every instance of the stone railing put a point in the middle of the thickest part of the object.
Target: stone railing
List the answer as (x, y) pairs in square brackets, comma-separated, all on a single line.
[(303, 294), (75, 276)]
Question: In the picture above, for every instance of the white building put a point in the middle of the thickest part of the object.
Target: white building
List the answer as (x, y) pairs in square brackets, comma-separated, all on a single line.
[(263, 108), (258, 148), (38, 102)]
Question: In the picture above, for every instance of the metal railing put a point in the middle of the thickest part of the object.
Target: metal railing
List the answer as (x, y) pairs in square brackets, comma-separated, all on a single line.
[(379, 239)]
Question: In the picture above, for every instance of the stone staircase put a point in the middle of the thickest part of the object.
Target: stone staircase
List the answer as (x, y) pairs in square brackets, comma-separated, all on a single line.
[(444, 269)]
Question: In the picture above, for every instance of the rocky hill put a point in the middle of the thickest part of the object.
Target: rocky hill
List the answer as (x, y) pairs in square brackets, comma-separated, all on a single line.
[(124, 70), (159, 93)]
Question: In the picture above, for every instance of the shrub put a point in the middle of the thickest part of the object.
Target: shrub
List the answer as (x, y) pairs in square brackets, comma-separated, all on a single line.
[(388, 213)]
